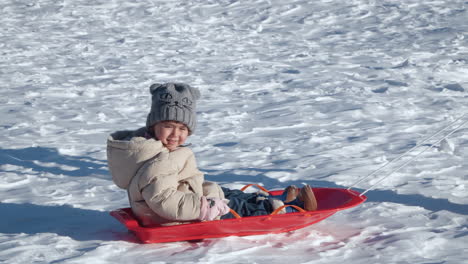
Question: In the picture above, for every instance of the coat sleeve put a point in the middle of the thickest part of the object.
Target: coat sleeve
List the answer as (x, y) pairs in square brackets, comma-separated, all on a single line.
[(192, 176), (172, 204), (158, 185)]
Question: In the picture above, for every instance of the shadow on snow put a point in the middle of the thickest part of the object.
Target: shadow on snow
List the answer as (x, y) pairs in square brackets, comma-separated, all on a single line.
[(64, 220), (37, 158)]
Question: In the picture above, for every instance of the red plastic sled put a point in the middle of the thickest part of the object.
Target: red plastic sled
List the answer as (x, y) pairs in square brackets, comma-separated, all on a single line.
[(330, 201)]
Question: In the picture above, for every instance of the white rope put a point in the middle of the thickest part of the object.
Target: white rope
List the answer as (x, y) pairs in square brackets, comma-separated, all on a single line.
[(406, 163), (407, 152)]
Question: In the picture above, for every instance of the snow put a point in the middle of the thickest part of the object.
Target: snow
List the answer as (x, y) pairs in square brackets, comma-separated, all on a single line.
[(318, 92)]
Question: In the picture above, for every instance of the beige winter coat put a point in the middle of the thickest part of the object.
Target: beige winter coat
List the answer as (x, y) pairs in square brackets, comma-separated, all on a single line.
[(163, 187)]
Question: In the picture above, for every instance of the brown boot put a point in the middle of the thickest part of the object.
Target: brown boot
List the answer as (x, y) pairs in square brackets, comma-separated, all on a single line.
[(307, 196), (292, 192)]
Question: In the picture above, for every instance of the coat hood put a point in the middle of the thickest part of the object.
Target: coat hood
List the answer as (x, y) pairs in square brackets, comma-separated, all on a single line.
[(126, 153)]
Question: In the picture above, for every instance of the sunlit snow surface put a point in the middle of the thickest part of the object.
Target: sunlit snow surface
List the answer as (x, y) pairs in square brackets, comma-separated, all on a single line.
[(317, 92)]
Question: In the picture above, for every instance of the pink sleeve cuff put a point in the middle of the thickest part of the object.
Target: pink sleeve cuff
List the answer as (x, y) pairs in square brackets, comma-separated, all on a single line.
[(203, 208)]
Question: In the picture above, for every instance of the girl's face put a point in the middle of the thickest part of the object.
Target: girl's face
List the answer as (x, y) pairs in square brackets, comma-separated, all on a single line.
[(171, 133)]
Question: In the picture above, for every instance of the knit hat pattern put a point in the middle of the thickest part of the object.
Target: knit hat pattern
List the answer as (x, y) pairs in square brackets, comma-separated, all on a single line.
[(173, 102)]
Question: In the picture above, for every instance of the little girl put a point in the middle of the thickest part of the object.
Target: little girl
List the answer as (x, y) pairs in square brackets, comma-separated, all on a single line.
[(160, 174)]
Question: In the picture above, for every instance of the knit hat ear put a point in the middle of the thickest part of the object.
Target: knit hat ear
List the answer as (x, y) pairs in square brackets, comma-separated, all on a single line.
[(173, 102), (154, 87)]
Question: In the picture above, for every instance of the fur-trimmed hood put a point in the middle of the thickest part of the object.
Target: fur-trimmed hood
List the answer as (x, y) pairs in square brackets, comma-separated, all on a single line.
[(127, 151)]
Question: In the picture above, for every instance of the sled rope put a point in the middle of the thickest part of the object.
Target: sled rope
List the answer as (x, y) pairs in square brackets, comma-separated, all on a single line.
[(406, 153), (415, 157)]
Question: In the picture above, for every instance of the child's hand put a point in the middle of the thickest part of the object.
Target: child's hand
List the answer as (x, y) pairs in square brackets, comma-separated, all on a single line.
[(211, 208)]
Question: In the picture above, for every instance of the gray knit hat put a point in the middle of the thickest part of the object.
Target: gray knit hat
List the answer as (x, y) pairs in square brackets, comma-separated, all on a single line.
[(173, 102)]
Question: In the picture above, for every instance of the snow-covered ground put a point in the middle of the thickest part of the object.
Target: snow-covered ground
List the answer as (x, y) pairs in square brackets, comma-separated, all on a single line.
[(319, 92)]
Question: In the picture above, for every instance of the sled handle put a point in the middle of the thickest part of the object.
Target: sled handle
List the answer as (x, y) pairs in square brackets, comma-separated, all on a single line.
[(234, 213), (254, 184), (288, 205)]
